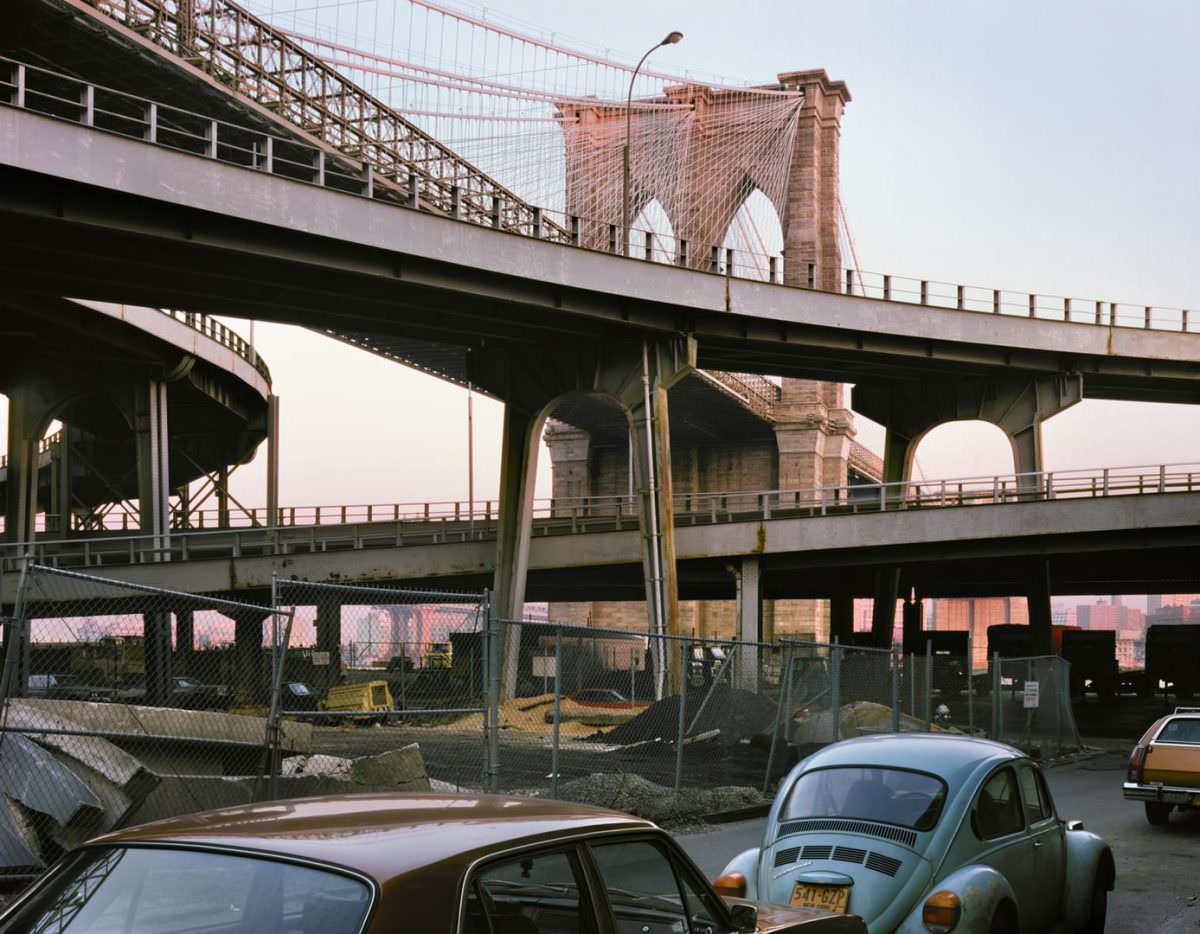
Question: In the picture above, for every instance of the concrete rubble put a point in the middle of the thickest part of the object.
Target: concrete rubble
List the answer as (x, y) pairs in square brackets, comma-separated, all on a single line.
[(72, 769)]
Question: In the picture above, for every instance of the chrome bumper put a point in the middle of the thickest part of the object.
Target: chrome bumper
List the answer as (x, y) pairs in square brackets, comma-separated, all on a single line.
[(1166, 794)]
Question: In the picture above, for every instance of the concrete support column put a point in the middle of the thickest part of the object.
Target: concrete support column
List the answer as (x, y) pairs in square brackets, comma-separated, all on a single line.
[(649, 440), (156, 656), (749, 624), (1038, 596), (883, 612), (153, 461), (185, 640), (29, 411), (250, 671), (329, 643), (272, 460), (60, 485), (914, 626), (841, 618)]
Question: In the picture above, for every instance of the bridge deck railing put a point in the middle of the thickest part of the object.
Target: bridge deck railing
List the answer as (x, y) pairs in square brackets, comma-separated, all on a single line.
[(460, 197), (353, 527)]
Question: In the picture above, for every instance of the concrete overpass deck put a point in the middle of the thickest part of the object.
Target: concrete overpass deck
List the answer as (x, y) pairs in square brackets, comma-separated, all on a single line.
[(1118, 531), (87, 364), (206, 234)]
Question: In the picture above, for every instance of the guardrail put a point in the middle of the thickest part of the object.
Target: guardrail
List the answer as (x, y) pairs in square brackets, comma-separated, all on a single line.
[(67, 98), (350, 527), (44, 445)]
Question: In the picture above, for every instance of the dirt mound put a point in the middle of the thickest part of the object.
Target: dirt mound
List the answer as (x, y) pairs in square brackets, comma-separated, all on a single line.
[(635, 795), (736, 714)]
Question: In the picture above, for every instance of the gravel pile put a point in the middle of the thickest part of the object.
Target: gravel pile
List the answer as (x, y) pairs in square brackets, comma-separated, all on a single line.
[(642, 798), (736, 714)]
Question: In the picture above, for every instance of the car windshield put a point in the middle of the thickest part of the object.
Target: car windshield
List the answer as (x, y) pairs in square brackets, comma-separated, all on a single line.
[(894, 796), (149, 890), (300, 690)]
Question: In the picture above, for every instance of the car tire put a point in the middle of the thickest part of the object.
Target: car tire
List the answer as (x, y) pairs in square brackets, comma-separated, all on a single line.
[(1004, 921), (1157, 813), (1098, 913)]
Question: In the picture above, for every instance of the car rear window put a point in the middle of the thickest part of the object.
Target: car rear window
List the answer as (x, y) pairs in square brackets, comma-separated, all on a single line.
[(1184, 730), (893, 796), (148, 890)]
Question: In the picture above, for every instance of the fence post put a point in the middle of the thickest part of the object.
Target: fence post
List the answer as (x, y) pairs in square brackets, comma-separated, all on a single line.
[(996, 699), (895, 688), (928, 685), (492, 706), (783, 716), (14, 678), (970, 683), (835, 689), (683, 686), (557, 711)]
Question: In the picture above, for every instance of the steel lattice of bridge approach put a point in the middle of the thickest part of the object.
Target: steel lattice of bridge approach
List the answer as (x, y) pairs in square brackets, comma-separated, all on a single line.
[(243, 198)]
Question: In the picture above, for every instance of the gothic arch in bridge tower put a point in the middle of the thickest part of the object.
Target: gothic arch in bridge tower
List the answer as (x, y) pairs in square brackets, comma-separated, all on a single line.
[(653, 220), (986, 441), (755, 234)]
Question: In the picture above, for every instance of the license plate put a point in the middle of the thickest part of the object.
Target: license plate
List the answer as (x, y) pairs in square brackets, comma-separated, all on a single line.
[(829, 897)]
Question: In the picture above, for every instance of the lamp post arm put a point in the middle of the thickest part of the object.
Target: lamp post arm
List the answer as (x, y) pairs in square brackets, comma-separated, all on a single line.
[(626, 206)]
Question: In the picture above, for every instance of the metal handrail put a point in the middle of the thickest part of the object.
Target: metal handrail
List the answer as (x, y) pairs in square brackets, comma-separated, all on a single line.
[(44, 445), (196, 134), (616, 513)]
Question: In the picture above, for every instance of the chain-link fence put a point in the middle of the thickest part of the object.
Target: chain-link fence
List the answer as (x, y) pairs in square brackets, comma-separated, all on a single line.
[(375, 670), (1030, 704), (578, 704), (121, 704)]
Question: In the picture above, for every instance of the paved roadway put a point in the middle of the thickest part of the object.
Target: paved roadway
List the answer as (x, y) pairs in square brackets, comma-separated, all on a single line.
[(1158, 869)]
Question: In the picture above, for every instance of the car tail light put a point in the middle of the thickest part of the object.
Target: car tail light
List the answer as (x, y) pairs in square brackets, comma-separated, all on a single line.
[(732, 884), (1136, 758), (942, 911)]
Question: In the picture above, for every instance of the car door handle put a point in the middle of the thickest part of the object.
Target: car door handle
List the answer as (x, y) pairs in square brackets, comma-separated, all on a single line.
[(1037, 844)]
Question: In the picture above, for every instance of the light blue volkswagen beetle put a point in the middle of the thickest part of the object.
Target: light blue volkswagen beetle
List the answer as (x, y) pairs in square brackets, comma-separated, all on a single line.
[(922, 832)]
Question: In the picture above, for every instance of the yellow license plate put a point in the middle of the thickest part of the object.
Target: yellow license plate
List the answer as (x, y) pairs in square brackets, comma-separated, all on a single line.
[(829, 897)]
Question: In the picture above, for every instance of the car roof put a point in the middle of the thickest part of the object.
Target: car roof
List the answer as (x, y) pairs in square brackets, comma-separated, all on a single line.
[(942, 754), (385, 836)]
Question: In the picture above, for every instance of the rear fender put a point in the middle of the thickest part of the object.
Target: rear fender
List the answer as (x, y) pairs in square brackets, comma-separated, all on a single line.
[(980, 889), (746, 863), (1087, 856)]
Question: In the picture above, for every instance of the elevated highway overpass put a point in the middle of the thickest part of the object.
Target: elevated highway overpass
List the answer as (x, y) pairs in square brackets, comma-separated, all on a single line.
[(150, 400), (1118, 531), (232, 190)]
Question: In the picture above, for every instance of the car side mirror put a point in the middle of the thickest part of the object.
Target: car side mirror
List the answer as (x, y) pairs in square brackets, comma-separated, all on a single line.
[(1075, 825), (744, 918)]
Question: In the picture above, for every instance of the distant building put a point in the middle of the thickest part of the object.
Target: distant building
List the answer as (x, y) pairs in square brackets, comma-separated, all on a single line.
[(1110, 615)]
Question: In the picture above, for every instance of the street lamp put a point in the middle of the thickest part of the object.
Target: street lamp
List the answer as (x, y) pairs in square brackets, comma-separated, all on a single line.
[(626, 218)]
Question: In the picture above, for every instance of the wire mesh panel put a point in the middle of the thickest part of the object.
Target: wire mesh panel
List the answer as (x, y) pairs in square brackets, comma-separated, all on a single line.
[(122, 704), (1030, 704), (392, 682)]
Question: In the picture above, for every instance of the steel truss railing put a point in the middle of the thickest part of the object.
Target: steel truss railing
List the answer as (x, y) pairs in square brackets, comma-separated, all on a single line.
[(349, 527), (418, 173)]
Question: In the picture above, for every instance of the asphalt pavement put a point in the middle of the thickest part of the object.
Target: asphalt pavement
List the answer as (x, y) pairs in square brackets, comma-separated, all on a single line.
[(1158, 868)]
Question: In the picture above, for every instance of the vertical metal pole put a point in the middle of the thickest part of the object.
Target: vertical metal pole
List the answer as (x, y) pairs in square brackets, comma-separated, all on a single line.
[(19, 97), (414, 192), (970, 682), (996, 699), (835, 689), (152, 123), (683, 686), (471, 458), (895, 658), (576, 236), (557, 711), (87, 103), (783, 716), (493, 704), (928, 685), (456, 202)]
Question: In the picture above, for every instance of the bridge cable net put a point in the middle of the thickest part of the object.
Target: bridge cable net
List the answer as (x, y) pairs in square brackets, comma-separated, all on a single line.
[(709, 157)]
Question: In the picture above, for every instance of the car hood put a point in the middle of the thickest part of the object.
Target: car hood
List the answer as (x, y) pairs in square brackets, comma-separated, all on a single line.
[(885, 877)]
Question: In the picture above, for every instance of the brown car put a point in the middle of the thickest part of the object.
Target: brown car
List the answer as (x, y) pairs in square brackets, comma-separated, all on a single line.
[(401, 864)]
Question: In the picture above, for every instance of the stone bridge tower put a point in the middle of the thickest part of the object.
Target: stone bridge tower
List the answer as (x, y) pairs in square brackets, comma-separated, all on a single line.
[(802, 437)]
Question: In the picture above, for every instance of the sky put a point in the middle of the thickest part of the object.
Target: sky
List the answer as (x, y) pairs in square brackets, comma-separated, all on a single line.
[(1046, 147)]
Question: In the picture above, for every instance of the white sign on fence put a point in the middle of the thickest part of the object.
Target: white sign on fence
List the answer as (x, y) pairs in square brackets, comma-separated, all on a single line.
[(1031, 694), (320, 658), (543, 666)]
